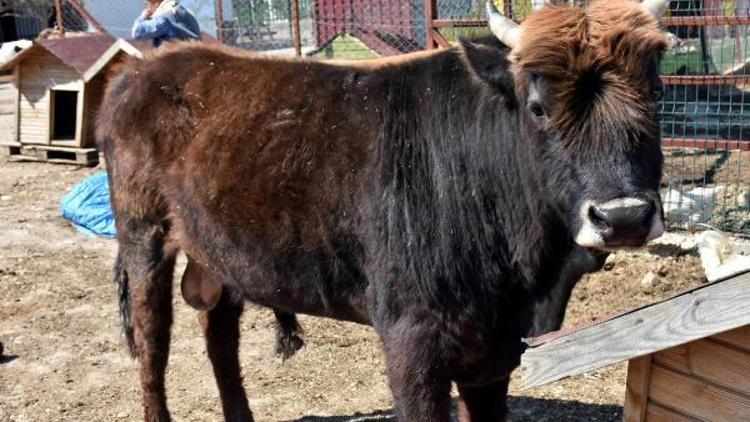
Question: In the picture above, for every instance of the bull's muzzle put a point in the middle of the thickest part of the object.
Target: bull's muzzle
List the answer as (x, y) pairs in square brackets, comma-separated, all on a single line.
[(619, 223)]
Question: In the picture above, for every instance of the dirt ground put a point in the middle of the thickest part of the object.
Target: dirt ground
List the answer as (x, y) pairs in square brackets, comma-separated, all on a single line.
[(64, 360)]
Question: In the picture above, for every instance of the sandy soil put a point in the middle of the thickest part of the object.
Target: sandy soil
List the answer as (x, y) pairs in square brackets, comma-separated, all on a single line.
[(64, 361)]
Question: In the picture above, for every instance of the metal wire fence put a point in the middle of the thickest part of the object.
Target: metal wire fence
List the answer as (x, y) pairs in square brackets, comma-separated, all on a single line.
[(28, 19)]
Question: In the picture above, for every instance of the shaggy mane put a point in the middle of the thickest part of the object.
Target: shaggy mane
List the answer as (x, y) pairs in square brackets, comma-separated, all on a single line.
[(596, 62)]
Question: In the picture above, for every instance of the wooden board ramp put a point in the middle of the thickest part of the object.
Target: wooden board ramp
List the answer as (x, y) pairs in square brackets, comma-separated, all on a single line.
[(697, 313), (88, 157)]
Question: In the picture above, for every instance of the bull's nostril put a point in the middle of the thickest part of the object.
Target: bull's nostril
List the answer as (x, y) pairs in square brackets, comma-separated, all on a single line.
[(598, 218)]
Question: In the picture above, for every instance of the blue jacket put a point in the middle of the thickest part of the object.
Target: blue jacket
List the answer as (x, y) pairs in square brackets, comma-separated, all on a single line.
[(176, 23)]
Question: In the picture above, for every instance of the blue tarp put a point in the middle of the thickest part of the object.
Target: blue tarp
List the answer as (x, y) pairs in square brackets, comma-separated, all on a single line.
[(87, 206)]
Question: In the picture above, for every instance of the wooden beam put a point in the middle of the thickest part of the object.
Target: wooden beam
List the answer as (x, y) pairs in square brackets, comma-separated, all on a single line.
[(739, 338), (295, 28), (695, 314), (219, 7), (81, 121), (721, 144), (456, 23), (636, 389), (711, 361), (705, 79), (430, 15), (17, 82), (59, 17), (86, 15), (440, 40), (696, 398), (656, 413), (50, 116)]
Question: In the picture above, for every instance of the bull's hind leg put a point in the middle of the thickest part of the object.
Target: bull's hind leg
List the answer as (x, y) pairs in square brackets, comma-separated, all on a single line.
[(149, 271), (221, 327), (484, 404)]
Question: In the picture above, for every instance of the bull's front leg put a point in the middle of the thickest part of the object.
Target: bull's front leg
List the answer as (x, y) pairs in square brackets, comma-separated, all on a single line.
[(487, 403), (416, 373)]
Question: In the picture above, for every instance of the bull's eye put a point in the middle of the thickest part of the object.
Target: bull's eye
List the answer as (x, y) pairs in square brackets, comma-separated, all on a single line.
[(536, 109)]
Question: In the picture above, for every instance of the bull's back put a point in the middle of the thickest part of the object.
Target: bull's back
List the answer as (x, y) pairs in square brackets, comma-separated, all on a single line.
[(255, 157)]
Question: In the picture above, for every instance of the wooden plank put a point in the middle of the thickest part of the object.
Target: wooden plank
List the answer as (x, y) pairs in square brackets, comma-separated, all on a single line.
[(713, 362), (81, 117), (8, 107), (697, 398), (738, 338), (636, 390), (675, 358), (695, 314), (657, 413), (17, 87), (25, 152)]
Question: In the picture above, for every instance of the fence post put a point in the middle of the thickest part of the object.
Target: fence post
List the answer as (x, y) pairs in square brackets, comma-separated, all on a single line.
[(86, 15), (430, 13), (59, 17), (219, 20), (295, 27)]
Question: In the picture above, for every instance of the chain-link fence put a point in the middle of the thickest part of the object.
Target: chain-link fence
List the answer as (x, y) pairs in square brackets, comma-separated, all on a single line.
[(29, 19), (267, 25)]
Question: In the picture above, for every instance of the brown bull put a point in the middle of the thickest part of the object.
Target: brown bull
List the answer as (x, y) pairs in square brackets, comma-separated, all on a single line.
[(450, 199)]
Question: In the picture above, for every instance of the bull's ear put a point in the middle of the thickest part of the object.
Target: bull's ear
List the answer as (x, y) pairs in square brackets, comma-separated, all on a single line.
[(490, 64)]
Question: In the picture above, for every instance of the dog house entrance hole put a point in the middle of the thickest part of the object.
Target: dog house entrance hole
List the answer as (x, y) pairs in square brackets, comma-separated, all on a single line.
[(64, 114)]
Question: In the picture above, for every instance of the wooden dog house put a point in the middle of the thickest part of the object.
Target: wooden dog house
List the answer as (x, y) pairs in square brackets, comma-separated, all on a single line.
[(49, 94), (688, 356)]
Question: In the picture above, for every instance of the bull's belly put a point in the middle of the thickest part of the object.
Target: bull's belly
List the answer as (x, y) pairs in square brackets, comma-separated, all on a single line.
[(304, 294), (306, 284)]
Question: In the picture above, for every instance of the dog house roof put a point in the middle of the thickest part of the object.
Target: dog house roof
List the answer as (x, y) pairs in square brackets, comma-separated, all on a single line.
[(80, 53)]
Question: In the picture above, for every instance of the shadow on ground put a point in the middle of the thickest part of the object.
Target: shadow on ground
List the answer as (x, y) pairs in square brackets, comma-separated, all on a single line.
[(549, 410), (522, 409)]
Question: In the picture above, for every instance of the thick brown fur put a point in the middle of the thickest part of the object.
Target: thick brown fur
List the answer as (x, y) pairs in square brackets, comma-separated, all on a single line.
[(416, 195), (597, 62)]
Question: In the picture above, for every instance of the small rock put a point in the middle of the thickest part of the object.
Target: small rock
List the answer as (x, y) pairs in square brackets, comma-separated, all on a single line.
[(648, 281), (5, 198), (122, 415)]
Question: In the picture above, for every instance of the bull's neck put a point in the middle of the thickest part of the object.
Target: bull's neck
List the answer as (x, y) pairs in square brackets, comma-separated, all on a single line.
[(465, 196)]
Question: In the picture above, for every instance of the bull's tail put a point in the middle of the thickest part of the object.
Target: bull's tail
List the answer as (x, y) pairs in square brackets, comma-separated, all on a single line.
[(123, 297), (288, 334)]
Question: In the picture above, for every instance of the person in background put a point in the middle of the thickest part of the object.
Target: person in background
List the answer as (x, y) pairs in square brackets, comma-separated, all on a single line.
[(164, 20)]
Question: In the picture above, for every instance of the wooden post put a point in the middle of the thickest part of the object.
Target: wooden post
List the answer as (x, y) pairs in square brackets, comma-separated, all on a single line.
[(295, 27), (430, 13), (219, 20), (86, 15), (59, 17), (508, 12), (636, 389)]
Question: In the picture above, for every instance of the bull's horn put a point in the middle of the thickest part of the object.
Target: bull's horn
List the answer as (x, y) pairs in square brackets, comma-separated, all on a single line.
[(656, 7), (504, 29)]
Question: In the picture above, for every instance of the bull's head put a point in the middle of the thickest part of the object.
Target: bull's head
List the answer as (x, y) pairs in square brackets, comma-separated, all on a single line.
[(587, 84)]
